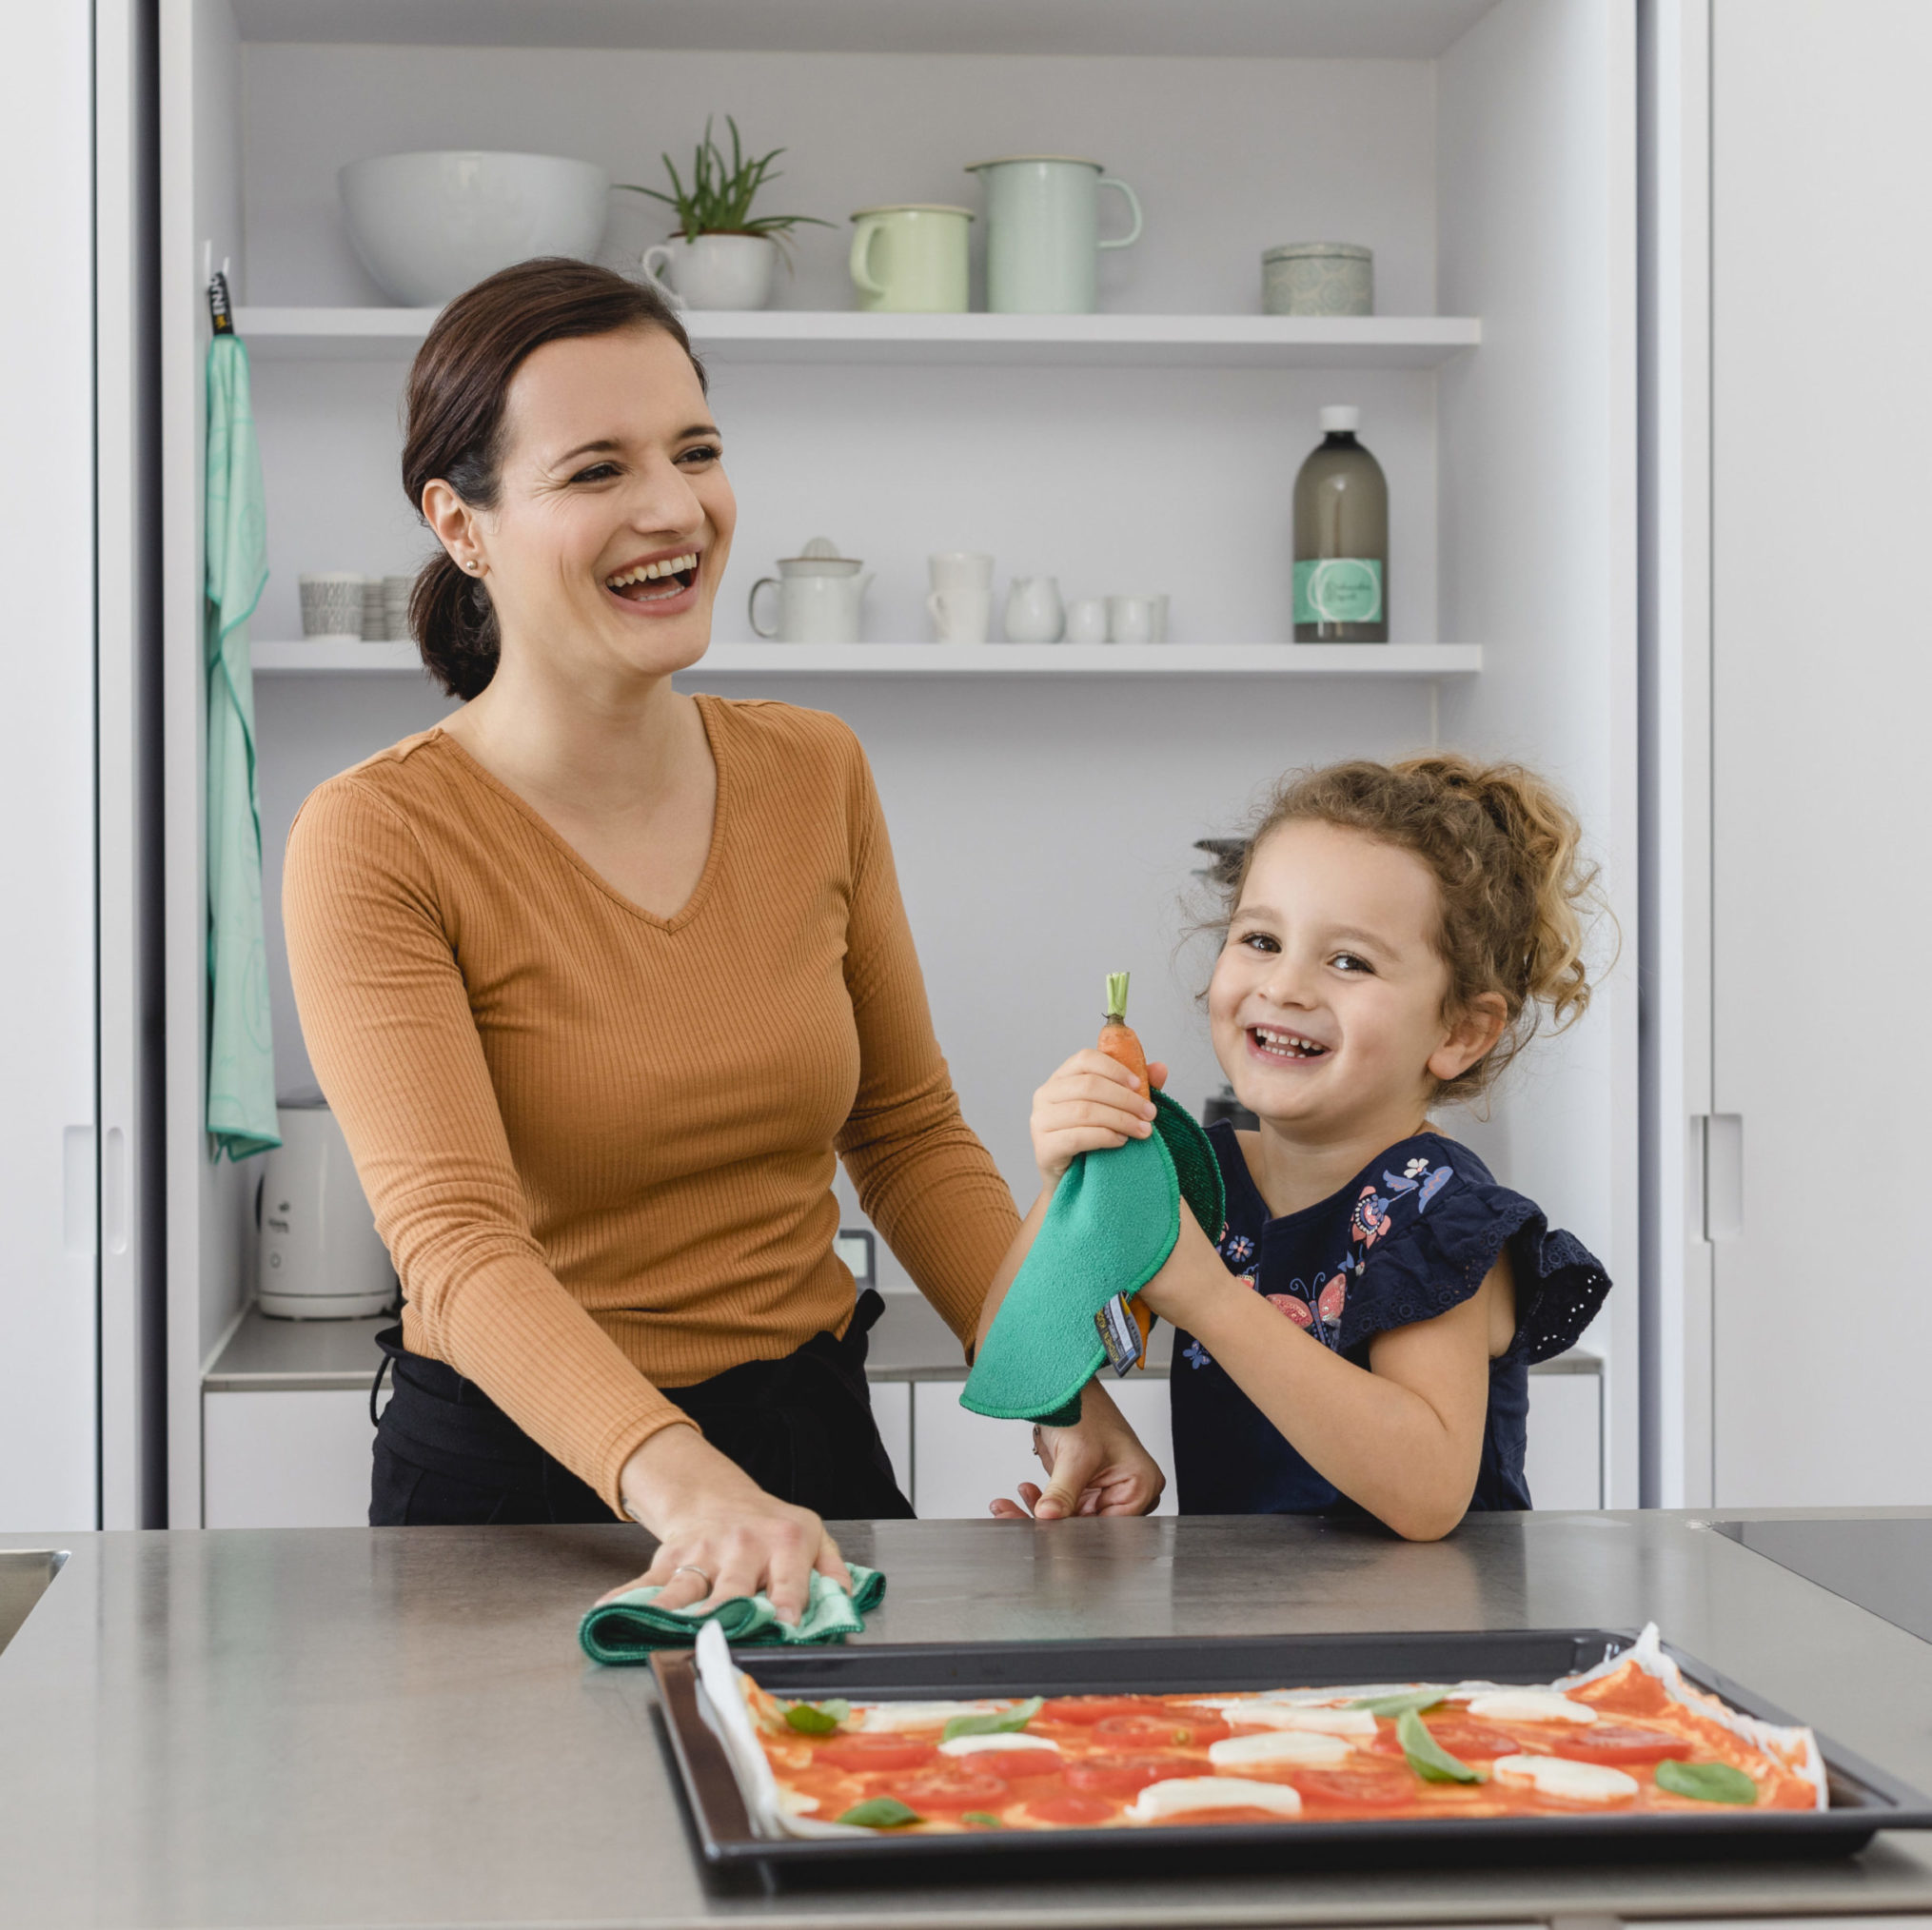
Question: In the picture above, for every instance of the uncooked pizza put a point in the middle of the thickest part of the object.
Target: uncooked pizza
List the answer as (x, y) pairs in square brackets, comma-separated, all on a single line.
[(1630, 1734)]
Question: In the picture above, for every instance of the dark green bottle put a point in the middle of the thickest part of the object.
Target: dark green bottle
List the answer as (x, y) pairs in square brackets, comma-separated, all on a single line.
[(1341, 540)]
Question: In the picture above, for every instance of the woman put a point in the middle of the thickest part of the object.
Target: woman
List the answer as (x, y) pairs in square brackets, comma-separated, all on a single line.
[(600, 977)]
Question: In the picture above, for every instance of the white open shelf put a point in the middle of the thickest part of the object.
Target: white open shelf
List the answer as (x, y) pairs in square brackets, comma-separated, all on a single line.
[(781, 335), (323, 656)]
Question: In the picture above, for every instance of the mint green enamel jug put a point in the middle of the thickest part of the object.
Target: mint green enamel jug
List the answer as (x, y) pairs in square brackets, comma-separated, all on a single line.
[(1043, 233)]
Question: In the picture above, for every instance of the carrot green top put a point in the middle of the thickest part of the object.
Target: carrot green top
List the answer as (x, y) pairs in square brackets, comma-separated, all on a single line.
[(1116, 997)]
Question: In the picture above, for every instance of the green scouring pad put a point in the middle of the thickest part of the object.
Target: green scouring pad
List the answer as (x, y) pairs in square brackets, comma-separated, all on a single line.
[(1112, 1222)]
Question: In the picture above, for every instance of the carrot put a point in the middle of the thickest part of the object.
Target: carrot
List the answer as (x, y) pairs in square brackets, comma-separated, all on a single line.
[(1118, 1039), (1119, 1042)]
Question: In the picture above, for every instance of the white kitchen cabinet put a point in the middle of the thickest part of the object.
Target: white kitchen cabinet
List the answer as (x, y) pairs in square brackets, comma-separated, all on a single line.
[(1153, 448), (891, 1409), (286, 1459), (1564, 1465)]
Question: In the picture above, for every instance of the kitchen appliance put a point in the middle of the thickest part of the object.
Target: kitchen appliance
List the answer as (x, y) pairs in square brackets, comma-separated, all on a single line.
[(429, 226), (320, 1256), (1043, 233), (960, 601), (820, 596), (732, 272), (911, 260), (1318, 278)]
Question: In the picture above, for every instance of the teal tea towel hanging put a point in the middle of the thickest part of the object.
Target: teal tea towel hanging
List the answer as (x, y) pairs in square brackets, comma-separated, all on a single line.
[(1112, 1222), (241, 1067)]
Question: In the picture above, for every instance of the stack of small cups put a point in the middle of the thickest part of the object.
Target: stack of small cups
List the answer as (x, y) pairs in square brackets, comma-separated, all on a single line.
[(396, 607)]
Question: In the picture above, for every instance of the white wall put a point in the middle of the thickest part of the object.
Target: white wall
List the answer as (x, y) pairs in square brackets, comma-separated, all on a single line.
[(48, 1216)]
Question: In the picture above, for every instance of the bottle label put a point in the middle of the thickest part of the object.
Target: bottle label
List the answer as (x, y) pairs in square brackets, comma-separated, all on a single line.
[(1338, 589)]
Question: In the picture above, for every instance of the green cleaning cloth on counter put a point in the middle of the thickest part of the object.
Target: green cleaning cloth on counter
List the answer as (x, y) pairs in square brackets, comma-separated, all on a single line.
[(241, 1061), (1112, 1222), (627, 1628)]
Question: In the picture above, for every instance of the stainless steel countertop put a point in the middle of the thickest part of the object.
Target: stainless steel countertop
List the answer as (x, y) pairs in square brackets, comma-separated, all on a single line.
[(911, 1343), (395, 1726)]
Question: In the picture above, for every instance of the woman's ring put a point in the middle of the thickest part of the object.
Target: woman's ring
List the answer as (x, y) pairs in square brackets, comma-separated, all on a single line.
[(687, 1569)]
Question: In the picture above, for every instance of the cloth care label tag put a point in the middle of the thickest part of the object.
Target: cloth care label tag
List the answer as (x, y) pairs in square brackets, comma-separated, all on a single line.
[(1120, 1335), (1338, 589)]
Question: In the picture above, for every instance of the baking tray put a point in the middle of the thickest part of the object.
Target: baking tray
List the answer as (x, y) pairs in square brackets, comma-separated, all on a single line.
[(1864, 1798)]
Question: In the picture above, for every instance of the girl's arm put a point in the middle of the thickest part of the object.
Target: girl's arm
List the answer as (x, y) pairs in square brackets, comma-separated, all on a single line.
[(1402, 1438)]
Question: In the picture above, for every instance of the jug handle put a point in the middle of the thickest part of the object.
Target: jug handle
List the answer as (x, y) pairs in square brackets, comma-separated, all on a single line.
[(861, 257), (1132, 235), (653, 273), (751, 608)]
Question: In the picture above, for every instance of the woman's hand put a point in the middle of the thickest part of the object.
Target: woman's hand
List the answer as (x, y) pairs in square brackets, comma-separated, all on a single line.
[(1097, 1467), (1090, 1105), (712, 1518)]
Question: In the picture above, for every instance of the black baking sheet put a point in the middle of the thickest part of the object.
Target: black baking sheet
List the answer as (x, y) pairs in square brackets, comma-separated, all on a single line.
[(1864, 1798)]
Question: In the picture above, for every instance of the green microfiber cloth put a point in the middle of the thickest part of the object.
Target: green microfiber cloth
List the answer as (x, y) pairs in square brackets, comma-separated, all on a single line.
[(1112, 1222), (627, 1628)]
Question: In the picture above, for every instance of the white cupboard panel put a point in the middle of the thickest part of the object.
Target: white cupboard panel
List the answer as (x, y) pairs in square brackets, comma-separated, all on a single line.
[(961, 1460), (286, 1460), (1564, 1461), (891, 1408)]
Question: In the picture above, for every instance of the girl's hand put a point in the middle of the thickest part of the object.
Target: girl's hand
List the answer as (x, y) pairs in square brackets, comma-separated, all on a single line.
[(1096, 1468), (1192, 1275), (1090, 1105), (719, 1534)]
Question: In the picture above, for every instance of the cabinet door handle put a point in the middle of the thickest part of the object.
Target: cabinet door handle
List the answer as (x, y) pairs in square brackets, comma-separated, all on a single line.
[(1724, 1176)]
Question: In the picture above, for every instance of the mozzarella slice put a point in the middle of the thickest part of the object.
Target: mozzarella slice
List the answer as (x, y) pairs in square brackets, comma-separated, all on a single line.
[(970, 1746), (1302, 1747), (1531, 1706), (1180, 1794), (890, 1717), (1573, 1781)]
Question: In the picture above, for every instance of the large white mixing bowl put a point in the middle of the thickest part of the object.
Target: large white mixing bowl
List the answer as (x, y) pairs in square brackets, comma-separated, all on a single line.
[(429, 226)]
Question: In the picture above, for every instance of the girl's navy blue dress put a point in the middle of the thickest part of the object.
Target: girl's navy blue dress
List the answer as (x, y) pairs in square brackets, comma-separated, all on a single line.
[(1408, 1237)]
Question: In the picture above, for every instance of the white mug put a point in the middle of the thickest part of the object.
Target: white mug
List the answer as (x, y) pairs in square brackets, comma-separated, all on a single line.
[(1087, 619), (1129, 619), (1033, 611), (960, 602), (812, 609)]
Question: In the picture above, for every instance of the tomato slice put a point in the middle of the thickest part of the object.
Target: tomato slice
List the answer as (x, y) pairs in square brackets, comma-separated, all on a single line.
[(1125, 1775), (1168, 1729), (1087, 1711), (1014, 1764), (861, 1754), (1371, 1787), (1073, 1812), (949, 1791), (1617, 1742)]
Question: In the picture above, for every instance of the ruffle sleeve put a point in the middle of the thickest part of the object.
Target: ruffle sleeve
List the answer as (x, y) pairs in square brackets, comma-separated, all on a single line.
[(1437, 1256)]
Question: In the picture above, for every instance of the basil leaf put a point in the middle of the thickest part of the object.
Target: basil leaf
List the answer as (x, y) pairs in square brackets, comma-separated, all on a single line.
[(1007, 1724), (881, 1812), (1707, 1782), (1395, 1705), (1428, 1757), (818, 1719), (980, 1817)]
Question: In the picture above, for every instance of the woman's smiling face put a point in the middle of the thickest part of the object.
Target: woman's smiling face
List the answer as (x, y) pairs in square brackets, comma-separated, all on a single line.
[(1327, 1000), (614, 516)]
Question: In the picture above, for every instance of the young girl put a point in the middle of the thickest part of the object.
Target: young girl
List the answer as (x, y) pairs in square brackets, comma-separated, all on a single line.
[(1361, 1337)]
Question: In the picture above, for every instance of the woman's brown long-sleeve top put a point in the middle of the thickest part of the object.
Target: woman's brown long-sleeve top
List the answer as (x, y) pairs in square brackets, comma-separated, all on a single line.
[(599, 1144)]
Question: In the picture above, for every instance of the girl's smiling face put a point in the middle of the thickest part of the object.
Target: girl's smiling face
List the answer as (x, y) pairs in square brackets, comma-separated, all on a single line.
[(1327, 1002), (613, 517)]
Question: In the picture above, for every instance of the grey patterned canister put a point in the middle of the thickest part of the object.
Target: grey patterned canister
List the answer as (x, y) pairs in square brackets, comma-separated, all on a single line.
[(1318, 278)]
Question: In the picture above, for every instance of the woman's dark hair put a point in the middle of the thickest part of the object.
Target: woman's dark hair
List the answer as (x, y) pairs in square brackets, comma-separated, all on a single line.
[(453, 425)]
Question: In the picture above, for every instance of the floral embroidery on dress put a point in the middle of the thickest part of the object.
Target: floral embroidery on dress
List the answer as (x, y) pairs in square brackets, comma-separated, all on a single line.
[(1415, 1169), (1370, 1218), (1239, 1249)]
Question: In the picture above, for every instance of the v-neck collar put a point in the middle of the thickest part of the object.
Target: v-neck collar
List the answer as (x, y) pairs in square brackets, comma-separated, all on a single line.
[(713, 735)]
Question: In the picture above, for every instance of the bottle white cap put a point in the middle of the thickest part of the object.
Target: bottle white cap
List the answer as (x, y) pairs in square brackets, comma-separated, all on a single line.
[(1341, 416)]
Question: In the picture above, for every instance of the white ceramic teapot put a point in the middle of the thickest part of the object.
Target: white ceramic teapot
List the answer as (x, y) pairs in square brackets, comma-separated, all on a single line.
[(820, 596)]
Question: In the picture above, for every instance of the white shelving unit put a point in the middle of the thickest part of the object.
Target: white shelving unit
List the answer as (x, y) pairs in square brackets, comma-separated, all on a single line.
[(1043, 800), (325, 657), (811, 336)]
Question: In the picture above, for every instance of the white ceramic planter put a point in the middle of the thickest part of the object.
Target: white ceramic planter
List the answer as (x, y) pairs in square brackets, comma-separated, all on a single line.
[(429, 226), (714, 270)]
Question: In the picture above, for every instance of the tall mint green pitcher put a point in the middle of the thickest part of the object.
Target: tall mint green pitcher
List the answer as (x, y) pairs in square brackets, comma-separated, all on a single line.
[(1043, 233)]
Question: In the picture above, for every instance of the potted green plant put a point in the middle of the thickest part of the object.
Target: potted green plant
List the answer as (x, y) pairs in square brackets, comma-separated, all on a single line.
[(721, 254)]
